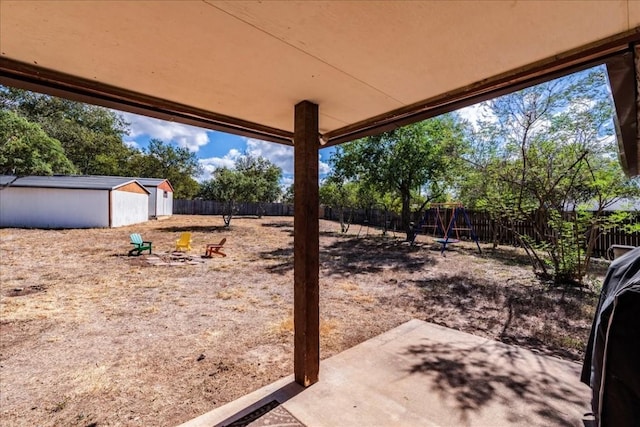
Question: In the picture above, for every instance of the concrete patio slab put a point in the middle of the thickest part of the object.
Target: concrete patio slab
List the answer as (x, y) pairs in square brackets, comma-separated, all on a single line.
[(421, 374)]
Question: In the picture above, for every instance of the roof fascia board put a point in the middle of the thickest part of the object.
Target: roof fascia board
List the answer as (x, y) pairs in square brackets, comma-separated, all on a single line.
[(160, 183), (170, 186), (38, 79), (548, 69), (623, 77), (133, 181), (19, 182), (32, 77)]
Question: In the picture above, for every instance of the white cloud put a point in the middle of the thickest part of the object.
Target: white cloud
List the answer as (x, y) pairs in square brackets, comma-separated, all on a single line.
[(280, 155), (286, 182), (132, 144), (475, 113), (324, 168), (212, 163), (186, 136)]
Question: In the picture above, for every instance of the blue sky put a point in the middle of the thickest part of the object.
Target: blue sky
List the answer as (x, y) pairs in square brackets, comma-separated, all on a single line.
[(214, 149)]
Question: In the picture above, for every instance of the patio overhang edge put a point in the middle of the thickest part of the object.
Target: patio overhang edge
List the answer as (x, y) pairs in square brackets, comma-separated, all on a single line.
[(575, 60), (32, 77)]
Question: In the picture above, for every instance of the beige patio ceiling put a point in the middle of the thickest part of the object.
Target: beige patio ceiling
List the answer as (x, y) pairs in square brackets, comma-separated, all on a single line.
[(241, 66)]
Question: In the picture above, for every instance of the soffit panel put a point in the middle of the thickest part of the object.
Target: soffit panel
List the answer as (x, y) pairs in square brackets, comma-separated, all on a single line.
[(256, 60), (634, 13), (187, 52), (413, 51)]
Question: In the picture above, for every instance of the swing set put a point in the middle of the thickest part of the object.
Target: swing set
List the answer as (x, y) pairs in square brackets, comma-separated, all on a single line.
[(450, 214), (380, 216)]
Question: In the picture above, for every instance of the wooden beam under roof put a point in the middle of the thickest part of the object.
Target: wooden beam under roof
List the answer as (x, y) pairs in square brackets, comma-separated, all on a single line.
[(38, 79), (33, 77), (594, 54), (624, 78)]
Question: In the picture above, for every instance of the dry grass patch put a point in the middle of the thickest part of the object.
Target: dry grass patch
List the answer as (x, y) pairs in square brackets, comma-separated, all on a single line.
[(364, 299), (348, 286), (93, 337), (284, 326), (227, 294)]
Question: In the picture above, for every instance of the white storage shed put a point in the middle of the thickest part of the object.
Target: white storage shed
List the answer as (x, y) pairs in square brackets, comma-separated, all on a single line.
[(72, 201), (160, 197)]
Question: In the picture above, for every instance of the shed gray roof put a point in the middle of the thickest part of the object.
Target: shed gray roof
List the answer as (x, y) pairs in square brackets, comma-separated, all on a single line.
[(630, 204), (84, 182), (152, 182), (6, 179)]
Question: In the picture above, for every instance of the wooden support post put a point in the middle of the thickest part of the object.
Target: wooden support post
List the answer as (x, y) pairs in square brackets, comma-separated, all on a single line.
[(306, 264)]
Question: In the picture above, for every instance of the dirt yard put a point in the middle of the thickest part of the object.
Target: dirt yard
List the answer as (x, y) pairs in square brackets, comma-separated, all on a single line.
[(92, 337)]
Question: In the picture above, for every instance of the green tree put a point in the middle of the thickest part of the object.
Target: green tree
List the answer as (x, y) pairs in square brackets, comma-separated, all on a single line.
[(261, 181), (225, 187), (222, 187), (405, 161), (162, 160), (346, 196), (287, 195), (342, 196), (25, 149), (91, 136), (544, 154), (253, 179)]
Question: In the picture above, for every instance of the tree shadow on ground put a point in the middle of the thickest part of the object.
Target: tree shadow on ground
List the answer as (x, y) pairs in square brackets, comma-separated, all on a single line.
[(503, 254), (534, 316), (340, 235), (372, 255), (354, 255), (283, 257), (507, 255), (284, 226), (494, 373), (196, 229), (279, 224), (599, 266)]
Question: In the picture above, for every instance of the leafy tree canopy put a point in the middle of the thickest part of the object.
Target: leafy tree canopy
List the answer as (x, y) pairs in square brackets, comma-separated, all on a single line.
[(253, 179), (162, 160), (262, 179), (287, 195), (222, 186), (539, 155), (25, 149), (422, 156), (91, 136)]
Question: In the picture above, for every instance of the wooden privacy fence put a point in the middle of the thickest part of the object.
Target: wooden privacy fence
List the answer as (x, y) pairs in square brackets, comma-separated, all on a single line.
[(371, 217), (484, 227), (209, 207)]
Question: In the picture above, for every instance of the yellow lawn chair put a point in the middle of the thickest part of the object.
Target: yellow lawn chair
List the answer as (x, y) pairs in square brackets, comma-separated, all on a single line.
[(184, 242)]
